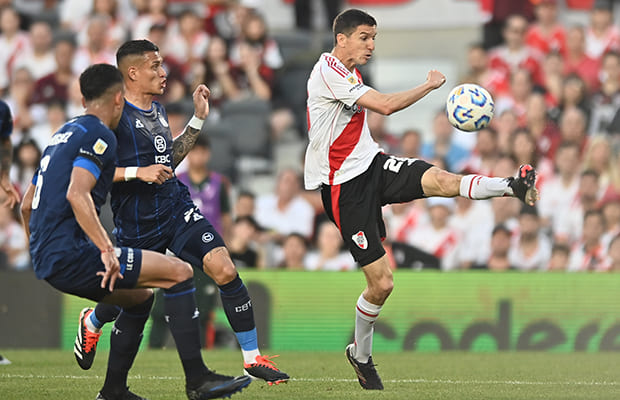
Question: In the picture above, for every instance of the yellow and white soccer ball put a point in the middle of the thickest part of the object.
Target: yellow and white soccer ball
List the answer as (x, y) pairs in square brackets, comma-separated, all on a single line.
[(469, 107)]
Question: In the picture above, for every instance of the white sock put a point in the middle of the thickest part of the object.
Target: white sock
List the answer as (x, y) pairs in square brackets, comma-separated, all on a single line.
[(365, 316), (249, 356), (90, 326), (480, 187)]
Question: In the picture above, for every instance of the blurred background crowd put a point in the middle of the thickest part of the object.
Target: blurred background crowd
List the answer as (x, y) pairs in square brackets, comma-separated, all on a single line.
[(556, 86)]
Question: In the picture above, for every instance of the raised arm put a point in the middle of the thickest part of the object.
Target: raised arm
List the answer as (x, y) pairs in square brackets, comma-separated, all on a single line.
[(183, 143), (387, 104)]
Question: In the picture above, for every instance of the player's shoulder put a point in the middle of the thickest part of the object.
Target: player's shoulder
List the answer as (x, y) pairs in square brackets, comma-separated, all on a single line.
[(330, 64)]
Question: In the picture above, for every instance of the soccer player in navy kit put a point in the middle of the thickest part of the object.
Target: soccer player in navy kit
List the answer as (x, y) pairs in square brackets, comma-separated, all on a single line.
[(71, 250), (153, 209)]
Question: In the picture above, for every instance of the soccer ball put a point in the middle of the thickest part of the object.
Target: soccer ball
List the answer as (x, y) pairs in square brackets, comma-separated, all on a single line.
[(469, 107)]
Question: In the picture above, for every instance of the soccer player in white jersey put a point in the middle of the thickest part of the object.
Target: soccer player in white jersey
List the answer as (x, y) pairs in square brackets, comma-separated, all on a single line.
[(356, 178)]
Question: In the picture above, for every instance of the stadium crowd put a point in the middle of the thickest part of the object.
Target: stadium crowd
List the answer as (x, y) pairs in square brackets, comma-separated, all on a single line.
[(557, 106)]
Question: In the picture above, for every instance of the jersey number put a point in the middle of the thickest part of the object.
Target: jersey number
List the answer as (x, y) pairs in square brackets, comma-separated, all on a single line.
[(37, 190), (393, 164)]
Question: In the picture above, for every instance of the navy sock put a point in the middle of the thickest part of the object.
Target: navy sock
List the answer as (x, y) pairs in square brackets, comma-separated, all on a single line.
[(238, 308), (182, 316), (124, 343), (104, 313)]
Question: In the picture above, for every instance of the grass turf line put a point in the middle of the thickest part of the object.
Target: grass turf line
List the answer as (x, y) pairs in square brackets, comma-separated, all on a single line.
[(157, 374)]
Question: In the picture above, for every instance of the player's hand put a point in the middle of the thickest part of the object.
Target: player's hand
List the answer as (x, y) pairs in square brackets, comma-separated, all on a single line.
[(112, 270), (201, 101), (154, 173), (435, 79), (12, 197)]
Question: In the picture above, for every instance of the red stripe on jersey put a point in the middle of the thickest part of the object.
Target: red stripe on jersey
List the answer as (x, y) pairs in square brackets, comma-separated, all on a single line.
[(335, 197), (365, 313), (345, 143), (333, 64)]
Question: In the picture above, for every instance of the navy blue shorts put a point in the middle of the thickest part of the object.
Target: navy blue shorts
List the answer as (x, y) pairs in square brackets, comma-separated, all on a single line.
[(79, 277), (188, 234)]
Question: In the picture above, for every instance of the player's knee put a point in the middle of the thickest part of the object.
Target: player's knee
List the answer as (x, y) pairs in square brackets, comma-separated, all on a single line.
[(219, 266), (182, 271)]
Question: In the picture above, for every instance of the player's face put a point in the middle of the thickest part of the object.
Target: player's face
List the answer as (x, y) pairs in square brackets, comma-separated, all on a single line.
[(151, 74), (361, 44)]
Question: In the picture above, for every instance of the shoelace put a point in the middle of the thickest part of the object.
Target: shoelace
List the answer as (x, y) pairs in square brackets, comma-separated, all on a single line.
[(265, 361), (91, 340)]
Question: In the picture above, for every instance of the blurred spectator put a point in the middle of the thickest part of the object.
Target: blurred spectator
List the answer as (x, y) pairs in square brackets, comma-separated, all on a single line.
[(379, 132), (55, 85), (474, 222), (242, 246), (38, 57), (442, 145), (570, 220), (176, 87), (599, 157), (410, 143), (74, 105), (605, 103), (479, 71), (575, 94), (256, 57), (26, 160), (13, 243), (285, 211), (588, 254), (55, 118), (573, 127), (545, 132), (578, 62), (515, 54), (209, 190), (601, 35), (610, 208), (484, 156), (500, 246), (156, 14), (506, 212), (329, 255), (19, 100), (531, 248), (117, 29), (95, 49), (560, 255), (13, 42), (546, 34), (499, 12), (525, 151), (435, 236), (553, 72), (245, 204), (504, 125), (294, 250), (559, 192), (521, 86), (187, 42), (613, 255)]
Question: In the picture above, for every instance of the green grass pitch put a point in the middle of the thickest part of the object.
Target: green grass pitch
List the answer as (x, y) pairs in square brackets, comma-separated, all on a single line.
[(54, 375)]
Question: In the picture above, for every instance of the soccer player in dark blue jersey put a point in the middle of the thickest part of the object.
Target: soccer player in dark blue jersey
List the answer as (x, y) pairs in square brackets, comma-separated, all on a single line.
[(153, 209), (6, 153), (71, 250)]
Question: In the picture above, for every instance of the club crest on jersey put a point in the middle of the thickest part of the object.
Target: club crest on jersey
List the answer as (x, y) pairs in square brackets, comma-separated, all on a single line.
[(352, 80), (163, 121), (100, 146), (360, 240), (139, 123), (207, 237), (160, 143)]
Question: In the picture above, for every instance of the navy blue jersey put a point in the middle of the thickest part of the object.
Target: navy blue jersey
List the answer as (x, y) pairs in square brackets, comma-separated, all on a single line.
[(143, 212), (55, 236)]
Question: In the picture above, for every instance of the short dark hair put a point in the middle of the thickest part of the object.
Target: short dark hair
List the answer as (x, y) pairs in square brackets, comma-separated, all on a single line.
[(97, 79), (347, 21), (134, 47)]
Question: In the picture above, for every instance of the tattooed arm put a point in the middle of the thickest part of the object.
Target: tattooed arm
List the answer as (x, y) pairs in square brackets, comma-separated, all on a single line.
[(185, 141)]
